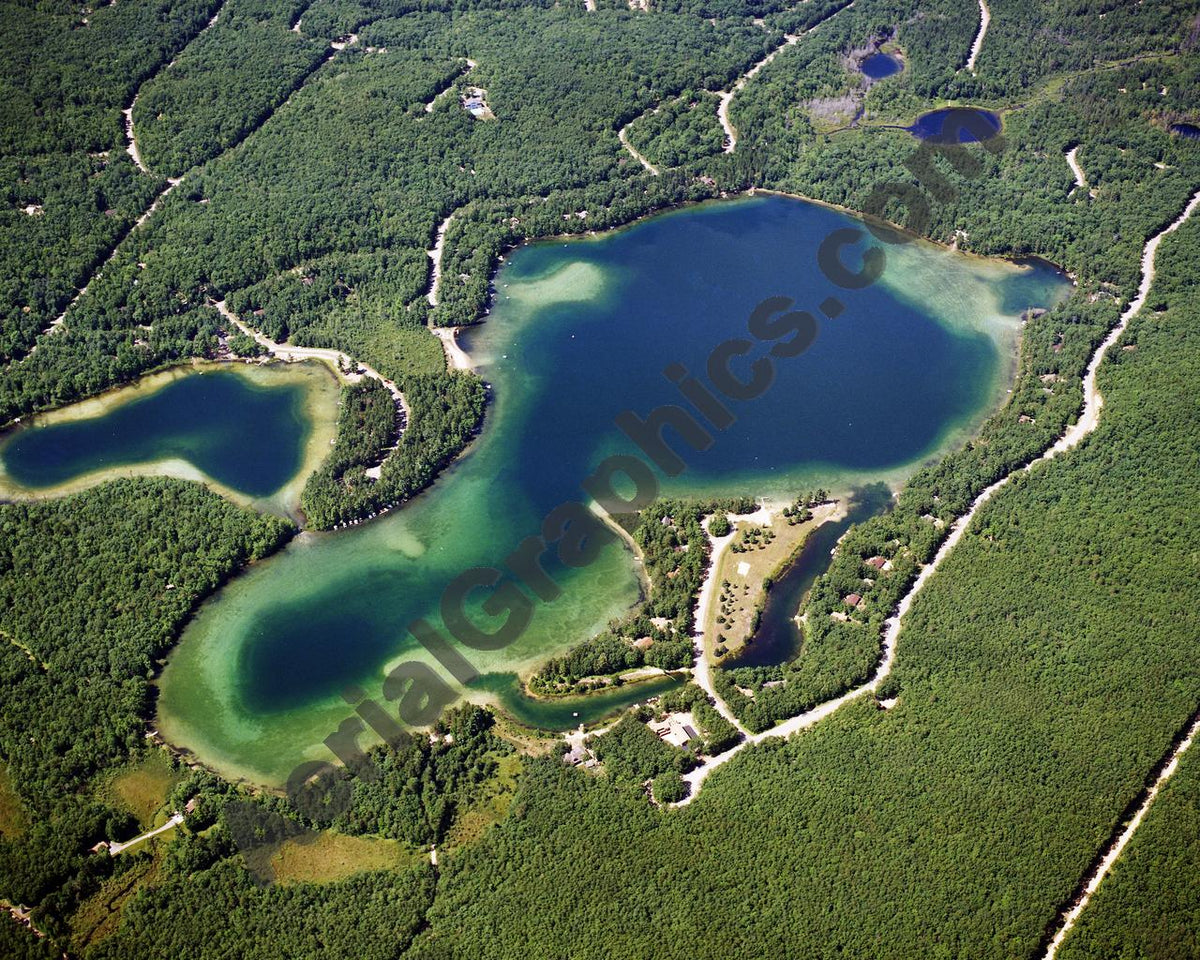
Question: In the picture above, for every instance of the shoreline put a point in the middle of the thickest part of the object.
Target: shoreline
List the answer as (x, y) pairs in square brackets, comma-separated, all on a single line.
[(1012, 259), (457, 359)]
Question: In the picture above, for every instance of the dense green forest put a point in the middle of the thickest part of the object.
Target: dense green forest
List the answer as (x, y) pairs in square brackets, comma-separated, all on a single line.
[(424, 782), (250, 57), (69, 190), (351, 165), (1150, 906), (371, 915), (1045, 670), (679, 131), (93, 589), (17, 942)]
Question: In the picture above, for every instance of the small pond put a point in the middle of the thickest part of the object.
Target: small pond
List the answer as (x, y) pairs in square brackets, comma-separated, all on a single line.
[(956, 125), (879, 66)]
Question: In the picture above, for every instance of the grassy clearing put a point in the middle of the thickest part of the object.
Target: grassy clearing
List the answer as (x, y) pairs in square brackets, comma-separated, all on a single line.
[(758, 552), (330, 856), (142, 787), (530, 741), (492, 807), (12, 813)]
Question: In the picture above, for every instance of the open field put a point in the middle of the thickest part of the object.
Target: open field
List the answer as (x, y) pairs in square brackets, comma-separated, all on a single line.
[(142, 787), (330, 856), (12, 814), (100, 914)]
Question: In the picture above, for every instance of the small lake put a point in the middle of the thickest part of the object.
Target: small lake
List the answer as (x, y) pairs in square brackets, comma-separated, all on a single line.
[(879, 66), (581, 331), (248, 430), (1187, 130), (956, 125)]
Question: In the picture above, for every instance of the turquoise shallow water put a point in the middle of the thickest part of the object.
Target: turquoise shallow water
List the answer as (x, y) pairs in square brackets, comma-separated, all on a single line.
[(582, 331)]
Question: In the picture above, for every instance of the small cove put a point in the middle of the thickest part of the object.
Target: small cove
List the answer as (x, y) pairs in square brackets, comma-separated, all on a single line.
[(778, 636)]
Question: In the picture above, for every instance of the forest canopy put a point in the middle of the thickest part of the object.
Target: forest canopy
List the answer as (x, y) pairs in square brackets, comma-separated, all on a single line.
[(314, 152)]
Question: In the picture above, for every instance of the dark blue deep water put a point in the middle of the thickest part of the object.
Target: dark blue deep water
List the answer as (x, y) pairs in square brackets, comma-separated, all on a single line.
[(581, 332), (880, 65), (956, 125), (879, 388), (247, 437)]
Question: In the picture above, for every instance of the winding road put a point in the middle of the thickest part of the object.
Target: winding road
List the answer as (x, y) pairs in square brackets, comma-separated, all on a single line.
[(1087, 422), (634, 152), (435, 255), (985, 17), (343, 362), (702, 671), (471, 65), (172, 182), (726, 96), (456, 356), (131, 146), (1080, 179)]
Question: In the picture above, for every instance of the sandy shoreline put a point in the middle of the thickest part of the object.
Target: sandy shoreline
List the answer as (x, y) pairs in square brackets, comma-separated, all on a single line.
[(456, 357)]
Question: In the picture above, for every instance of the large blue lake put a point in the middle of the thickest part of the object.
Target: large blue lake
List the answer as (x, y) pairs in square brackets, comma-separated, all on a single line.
[(581, 331)]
